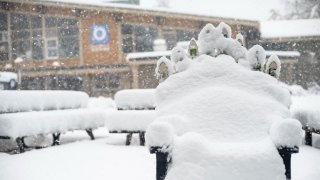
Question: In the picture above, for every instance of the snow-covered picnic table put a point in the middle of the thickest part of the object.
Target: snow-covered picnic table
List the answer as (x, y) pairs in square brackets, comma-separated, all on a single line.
[(306, 108), (30, 113), (135, 111)]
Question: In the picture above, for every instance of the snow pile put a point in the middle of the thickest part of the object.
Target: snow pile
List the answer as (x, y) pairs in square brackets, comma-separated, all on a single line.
[(222, 114), (101, 103), (135, 99), (164, 68), (45, 122), (306, 108), (133, 120), (7, 76), (286, 133), (16, 101), (214, 41), (160, 134)]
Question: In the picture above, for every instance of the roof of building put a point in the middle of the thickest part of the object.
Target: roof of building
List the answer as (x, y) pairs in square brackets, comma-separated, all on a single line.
[(290, 28), (107, 5)]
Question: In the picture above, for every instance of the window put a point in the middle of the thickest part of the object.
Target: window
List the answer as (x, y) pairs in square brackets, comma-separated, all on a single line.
[(38, 37), (137, 38), (173, 36), (109, 82), (62, 37), (27, 39), (4, 46)]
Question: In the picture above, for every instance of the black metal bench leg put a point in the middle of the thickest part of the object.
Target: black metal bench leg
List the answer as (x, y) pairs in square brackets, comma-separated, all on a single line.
[(128, 139), (161, 162), (142, 138), (90, 133), (20, 144), (308, 137), (285, 153), (56, 139)]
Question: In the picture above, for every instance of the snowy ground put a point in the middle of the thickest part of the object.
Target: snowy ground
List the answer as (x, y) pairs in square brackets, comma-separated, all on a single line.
[(107, 158)]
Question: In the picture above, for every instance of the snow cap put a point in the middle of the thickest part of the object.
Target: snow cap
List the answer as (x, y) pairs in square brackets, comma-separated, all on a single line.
[(225, 29), (159, 134), (286, 133), (273, 66), (256, 57), (169, 67)]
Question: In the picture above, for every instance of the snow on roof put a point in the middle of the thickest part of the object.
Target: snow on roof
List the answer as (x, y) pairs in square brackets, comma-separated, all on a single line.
[(290, 28), (7, 76), (146, 55), (284, 53), (236, 13)]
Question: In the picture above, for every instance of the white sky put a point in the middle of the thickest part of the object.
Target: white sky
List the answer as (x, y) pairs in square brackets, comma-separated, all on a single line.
[(242, 9)]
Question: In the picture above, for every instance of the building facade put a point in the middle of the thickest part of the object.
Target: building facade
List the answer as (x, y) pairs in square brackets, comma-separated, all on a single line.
[(86, 47)]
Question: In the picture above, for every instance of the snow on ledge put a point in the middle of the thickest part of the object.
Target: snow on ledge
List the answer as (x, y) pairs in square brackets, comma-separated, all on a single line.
[(146, 55), (284, 53), (290, 28)]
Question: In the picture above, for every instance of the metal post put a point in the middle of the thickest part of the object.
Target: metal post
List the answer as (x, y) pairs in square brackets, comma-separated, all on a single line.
[(308, 137), (20, 144), (142, 138), (90, 133), (128, 140), (285, 153), (161, 162), (56, 139)]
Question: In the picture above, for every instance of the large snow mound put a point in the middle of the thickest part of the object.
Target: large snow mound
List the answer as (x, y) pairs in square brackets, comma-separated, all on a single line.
[(135, 99), (222, 114), (46, 122), (21, 101), (222, 100)]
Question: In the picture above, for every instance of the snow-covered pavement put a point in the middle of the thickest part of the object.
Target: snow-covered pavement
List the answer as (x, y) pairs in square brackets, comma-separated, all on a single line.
[(107, 158)]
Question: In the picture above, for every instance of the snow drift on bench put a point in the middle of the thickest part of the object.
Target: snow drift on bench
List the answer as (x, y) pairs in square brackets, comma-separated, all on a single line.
[(227, 122), (22, 101)]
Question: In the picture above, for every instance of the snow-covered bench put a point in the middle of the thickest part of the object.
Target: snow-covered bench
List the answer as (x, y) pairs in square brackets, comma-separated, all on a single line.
[(223, 114), (306, 108), (135, 112), (30, 113)]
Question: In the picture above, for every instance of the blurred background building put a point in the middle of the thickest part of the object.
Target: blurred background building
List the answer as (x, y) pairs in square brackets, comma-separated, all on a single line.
[(103, 46)]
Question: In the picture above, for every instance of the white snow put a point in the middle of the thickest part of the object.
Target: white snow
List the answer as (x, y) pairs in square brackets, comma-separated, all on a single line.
[(274, 72), (168, 63), (212, 42), (256, 57), (24, 100), (284, 53), (228, 111), (290, 28), (130, 120), (306, 108), (286, 133), (107, 158), (249, 9), (135, 99), (101, 103), (152, 54), (45, 122), (7, 76), (160, 134)]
